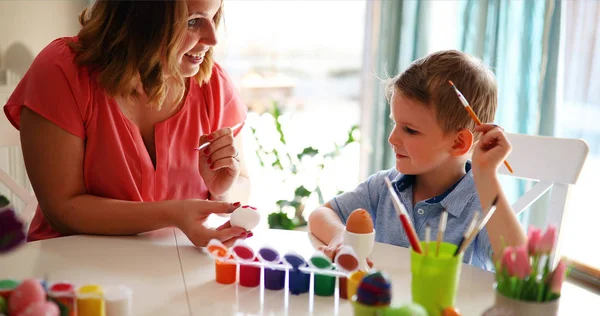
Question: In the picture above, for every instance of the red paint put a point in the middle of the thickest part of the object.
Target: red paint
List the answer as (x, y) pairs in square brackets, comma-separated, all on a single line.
[(343, 288), (244, 253), (65, 294), (412, 235), (347, 262), (249, 275)]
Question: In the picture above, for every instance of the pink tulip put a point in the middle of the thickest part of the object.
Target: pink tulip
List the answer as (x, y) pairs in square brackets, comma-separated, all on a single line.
[(534, 237), (547, 242), (558, 277), (522, 266), (508, 260)]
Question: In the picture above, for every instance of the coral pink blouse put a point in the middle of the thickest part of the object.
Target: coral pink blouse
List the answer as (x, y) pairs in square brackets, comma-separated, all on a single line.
[(116, 163)]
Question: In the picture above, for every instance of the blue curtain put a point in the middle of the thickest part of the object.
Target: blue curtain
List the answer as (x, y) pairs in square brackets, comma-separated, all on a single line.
[(519, 40)]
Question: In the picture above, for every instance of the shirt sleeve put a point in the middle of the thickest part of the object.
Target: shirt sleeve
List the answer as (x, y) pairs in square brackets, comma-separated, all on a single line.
[(365, 196), (482, 252), (55, 88), (227, 108)]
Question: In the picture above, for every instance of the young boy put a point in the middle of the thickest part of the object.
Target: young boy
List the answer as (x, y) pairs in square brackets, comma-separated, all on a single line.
[(432, 139)]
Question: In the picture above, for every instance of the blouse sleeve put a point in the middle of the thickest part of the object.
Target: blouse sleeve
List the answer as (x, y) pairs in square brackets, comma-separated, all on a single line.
[(55, 88)]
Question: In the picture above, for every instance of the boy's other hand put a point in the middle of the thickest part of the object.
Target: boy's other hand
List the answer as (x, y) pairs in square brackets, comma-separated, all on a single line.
[(491, 150), (334, 246)]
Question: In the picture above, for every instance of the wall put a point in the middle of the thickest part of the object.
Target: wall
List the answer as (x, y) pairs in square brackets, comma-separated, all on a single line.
[(26, 27)]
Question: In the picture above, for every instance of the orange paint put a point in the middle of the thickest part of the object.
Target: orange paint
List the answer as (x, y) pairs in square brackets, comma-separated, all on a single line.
[(217, 251), (225, 273)]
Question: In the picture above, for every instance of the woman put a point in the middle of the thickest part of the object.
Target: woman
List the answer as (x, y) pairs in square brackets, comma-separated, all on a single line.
[(109, 121)]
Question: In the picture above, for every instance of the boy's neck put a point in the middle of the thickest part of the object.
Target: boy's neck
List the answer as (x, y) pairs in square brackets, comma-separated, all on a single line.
[(437, 181)]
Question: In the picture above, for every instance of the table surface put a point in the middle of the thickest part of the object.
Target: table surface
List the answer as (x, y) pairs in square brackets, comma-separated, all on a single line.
[(169, 276)]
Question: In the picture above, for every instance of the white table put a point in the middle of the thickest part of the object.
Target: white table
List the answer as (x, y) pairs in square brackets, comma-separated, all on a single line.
[(148, 264), (163, 269)]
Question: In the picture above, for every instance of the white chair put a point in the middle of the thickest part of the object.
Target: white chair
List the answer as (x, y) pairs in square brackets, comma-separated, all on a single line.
[(555, 163), (9, 137)]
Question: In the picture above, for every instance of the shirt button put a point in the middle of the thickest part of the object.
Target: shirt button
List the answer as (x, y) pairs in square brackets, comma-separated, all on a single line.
[(420, 211)]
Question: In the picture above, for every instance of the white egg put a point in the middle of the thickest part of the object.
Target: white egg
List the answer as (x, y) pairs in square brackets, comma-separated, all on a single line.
[(245, 217)]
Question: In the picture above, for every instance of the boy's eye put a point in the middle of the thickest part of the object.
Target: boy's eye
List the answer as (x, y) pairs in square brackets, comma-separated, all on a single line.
[(410, 130)]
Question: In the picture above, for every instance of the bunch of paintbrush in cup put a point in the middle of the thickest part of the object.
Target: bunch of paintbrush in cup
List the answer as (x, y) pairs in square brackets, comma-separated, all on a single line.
[(474, 228)]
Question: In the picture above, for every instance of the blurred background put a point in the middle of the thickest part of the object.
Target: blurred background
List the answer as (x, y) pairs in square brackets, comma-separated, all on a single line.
[(311, 74)]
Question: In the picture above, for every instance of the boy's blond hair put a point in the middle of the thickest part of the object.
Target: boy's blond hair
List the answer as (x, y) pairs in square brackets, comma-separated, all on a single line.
[(426, 81)]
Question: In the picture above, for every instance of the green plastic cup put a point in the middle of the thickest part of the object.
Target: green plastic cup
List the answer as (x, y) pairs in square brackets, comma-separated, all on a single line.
[(435, 279), (365, 310)]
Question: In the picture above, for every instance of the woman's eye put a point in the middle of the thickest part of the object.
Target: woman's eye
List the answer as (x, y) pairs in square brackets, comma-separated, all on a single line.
[(193, 22)]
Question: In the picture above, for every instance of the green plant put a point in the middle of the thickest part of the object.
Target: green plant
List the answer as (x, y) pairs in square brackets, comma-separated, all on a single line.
[(284, 159)]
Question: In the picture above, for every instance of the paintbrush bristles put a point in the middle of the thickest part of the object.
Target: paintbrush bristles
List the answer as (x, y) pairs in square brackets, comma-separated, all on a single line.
[(441, 231)]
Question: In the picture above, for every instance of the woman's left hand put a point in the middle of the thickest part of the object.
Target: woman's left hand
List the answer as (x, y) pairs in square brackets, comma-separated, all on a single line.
[(217, 162)]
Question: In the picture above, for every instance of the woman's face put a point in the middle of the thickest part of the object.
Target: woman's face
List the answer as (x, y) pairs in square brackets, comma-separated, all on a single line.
[(200, 35)]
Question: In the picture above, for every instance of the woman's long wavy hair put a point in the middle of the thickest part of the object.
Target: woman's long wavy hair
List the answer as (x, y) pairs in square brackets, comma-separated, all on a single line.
[(123, 40)]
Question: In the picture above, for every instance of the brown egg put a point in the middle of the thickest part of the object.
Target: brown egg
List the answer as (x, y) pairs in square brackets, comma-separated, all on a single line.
[(359, 222)]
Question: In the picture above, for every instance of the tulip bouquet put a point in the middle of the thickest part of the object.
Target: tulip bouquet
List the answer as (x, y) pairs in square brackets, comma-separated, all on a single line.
[(12, 232), (524, 273)]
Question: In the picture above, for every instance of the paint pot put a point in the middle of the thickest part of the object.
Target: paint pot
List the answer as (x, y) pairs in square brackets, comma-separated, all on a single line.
[(268, 254), (90, 301), (324, 284), (274, 279), (7, 286), (63, 294), (225, 272), (346, 261), (250, 275), (118, 300), (299, 282), (243, 252)]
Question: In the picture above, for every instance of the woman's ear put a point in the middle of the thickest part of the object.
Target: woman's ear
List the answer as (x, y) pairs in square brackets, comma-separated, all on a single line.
[(462, 143)]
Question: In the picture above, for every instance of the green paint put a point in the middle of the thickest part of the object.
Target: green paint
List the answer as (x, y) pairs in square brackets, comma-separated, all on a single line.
[(320, 262), (8, 284)]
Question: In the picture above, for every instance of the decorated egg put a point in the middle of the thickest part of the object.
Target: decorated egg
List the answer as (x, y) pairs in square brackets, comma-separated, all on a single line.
[(375, 289), (359, 222), (246, 217), (41, 308), (28, 292)]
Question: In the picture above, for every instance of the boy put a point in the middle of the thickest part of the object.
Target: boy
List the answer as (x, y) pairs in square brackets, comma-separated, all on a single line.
[(432, 139)]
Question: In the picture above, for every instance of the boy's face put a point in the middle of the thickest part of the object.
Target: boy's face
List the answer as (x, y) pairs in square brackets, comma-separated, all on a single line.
[(417, 139)]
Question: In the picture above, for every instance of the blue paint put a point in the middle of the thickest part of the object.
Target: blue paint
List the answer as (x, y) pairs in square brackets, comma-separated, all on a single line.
[(299, 281), (294, 260)]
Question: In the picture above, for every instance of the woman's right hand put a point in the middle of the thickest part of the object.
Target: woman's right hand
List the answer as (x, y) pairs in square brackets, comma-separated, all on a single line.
[(190, 220)]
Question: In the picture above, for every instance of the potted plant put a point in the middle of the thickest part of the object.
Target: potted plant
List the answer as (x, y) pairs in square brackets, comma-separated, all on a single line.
[(290, 163), (526, 282)]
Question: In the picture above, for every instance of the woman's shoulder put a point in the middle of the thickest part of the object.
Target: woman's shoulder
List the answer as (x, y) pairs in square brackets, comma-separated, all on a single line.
[(57, 52)]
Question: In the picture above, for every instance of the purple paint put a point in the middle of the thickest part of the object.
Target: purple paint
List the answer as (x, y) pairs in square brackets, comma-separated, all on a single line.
[(274, 279), (269, 254)]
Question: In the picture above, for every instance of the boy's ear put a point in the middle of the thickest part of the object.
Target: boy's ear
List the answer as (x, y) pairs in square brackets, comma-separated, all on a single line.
[(462, 143)]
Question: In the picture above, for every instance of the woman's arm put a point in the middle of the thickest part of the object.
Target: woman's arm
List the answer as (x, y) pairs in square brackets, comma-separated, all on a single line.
[(54, 162)]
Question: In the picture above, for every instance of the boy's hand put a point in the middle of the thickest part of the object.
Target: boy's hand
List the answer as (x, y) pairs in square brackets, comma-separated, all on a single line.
[(334, 246), (491, 150)]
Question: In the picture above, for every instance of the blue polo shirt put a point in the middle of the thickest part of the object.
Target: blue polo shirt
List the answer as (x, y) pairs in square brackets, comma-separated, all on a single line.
[(461, 201)]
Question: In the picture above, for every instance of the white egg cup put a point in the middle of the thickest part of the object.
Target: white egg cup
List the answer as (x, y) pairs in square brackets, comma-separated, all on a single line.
[(362, 245)]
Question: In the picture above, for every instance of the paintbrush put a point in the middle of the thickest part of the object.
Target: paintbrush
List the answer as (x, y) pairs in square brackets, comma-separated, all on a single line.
[(427, 239), (403, 214), (480, 226), (469, 109), (467, 232), (441, 231), (233, 129)]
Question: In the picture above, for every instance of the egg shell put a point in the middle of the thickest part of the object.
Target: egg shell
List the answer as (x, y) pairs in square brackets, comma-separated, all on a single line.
[(41, 308), (245, 217), (359, 222), (375, 289), (28, 292)]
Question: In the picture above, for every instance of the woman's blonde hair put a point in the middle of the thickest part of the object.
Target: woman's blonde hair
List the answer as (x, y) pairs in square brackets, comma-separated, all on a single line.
[(124, 40)]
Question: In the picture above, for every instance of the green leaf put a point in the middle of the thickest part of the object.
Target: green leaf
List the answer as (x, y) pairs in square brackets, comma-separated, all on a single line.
[(3, 201), (308, 151), (351, 138), (301, 191), (280, 220)]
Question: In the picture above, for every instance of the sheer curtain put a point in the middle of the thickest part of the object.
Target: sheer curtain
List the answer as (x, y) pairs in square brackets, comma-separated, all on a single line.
[(579, 117)]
